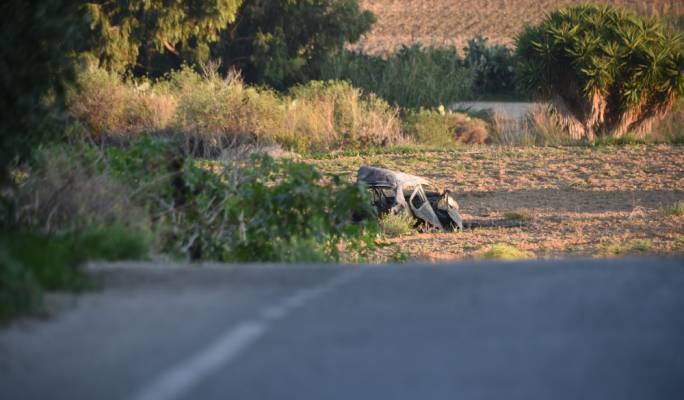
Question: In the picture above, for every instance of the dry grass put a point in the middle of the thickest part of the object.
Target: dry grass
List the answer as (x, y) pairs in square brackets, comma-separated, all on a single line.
[(453, 22), (212, 114), (62, 193), (582, 199)]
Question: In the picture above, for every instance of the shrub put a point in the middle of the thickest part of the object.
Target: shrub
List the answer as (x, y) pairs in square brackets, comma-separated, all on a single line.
[(440, 128), (335, 115), (19, 291), (209, 114), (541, 126), (114, 109), (505, 252), (64, 191), (255, 210), (215, 113), (608, 71), (113, 243), (33, 262), (396, 224), (676, 209), (413, 77), (280, 205), (493, 66)]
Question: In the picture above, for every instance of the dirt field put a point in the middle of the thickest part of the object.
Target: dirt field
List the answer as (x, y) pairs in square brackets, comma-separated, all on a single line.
[(453, 22), (603, 201)]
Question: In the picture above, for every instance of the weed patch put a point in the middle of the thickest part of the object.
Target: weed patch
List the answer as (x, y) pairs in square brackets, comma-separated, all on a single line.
[(634, 246), (518, 215), (396, 224), (676, 209), (504, 252)]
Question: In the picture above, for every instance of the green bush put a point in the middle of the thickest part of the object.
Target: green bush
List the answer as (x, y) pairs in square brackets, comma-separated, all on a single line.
[(442, 128), (493, 66), (608, 71), (413, 77), (113, 243), (247, 210), (32, 262), (19, 291)]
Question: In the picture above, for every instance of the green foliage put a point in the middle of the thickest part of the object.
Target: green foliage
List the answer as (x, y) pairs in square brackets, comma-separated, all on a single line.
[(37, 39), (252, 210), (609, 71), (283, 42), (442, 128), (144, 34), (19, 291), (413, 77), (676, 209), (493, 66), (280, 206), (33, 262), (396, 224), (113, 243)]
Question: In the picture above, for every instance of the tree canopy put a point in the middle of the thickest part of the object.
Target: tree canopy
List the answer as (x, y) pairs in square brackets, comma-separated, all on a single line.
[(38, 39), (136, 33), (281, 42)]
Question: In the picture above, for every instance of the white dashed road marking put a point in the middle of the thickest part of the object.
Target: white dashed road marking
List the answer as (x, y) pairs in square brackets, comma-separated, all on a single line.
[(177, 381)]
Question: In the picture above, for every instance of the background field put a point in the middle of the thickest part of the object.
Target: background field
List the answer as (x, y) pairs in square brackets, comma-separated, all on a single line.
[(569, 201), (453, 22)]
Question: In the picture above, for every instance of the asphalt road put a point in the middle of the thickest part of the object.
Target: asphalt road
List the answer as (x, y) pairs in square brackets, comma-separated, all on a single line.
[(545, 330)]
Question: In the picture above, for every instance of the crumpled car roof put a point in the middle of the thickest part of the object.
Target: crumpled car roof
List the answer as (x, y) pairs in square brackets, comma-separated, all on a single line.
[(375, 176)]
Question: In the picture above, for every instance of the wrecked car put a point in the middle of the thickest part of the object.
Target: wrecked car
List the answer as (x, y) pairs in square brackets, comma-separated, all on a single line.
[(398, 192)]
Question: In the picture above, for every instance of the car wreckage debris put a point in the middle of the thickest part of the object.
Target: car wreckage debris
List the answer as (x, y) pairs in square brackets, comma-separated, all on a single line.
[(398, 192)]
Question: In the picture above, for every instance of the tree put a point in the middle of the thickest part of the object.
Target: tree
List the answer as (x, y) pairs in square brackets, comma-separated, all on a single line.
[(281, 42), (607, 70), (149, 35), (38, 39)]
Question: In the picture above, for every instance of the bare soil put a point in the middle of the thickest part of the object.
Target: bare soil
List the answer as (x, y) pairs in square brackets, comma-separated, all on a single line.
[(453, 22), (580, 201)]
